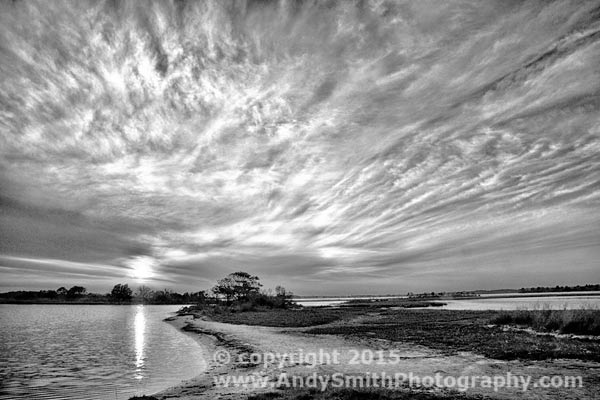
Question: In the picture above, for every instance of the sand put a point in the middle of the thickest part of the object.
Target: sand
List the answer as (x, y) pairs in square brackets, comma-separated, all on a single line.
[(418, 360)]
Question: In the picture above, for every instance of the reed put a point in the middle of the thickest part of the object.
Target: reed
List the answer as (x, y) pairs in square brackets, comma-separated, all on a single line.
[(583, 321)]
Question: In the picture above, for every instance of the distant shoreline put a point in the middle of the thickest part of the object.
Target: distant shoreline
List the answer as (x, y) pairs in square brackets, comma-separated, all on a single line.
[(541, 294), (334, 298), (88, 303), (491, 296)]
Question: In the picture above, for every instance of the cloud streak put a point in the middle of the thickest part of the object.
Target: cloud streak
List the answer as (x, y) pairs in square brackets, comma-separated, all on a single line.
[(333, 146)]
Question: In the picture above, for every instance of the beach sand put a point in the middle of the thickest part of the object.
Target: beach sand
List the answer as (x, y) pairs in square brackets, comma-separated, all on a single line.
[(418, 360)]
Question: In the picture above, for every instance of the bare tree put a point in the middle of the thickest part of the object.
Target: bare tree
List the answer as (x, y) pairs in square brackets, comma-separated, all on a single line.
[(143, 294)]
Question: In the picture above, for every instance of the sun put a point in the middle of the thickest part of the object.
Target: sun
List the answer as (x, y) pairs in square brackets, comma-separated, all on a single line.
[(141, 267)]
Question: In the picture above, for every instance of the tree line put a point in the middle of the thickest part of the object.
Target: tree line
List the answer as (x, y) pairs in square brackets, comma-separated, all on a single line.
[(578, 288), (120, 294), (238, 290)]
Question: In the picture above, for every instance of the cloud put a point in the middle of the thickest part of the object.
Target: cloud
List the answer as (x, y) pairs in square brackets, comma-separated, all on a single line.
[(343, 146)]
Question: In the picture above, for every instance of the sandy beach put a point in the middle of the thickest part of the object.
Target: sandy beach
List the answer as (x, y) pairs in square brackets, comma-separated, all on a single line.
[(238, 340)]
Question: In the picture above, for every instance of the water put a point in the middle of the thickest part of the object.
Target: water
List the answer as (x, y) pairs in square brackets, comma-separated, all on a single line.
[(512, 301), (92, 351), (316, 303), (334, 301), (529, 303)]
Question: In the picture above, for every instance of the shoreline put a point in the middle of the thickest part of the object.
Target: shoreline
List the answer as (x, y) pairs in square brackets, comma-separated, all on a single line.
[(508, 296), (211, 341), (343, 299), (208, 344), (88, 303), (419, 359)]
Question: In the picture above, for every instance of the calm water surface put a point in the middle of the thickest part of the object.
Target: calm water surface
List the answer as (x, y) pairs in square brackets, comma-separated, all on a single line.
[(92, 351), (505, 302), (525, 303)]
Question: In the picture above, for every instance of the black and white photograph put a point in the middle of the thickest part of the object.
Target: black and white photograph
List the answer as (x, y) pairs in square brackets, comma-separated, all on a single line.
[(299, 199)]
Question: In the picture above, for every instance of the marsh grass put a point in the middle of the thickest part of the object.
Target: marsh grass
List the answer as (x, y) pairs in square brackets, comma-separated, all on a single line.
[(143, 398), (455, 331), (359, 394), (302, 317), (397, 303), (584, 321)]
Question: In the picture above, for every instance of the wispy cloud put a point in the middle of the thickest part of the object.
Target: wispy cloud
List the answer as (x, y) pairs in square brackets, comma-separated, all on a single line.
[(334, 147)]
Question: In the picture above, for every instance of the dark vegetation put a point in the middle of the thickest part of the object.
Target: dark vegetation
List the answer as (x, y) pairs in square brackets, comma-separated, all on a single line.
[(292, 317), (351, 394), (411, 302), (578, 322), (236, 292), (361, 394), (443, 295), (238, 299), (240, 293), (456, 331), (143, 398), (120, 294), (578, 288)]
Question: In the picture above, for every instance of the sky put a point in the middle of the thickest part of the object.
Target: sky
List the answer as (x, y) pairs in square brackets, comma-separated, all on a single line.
[(331, 147)]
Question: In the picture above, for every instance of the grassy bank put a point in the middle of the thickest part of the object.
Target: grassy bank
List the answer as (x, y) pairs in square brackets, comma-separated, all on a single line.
[(579, 322), (393, 303), (472, 331), (299, 316), (302, 317), (451, 331)]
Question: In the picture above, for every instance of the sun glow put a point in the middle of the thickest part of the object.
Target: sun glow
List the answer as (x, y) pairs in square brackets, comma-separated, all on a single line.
[(142, 267), (139, 327)]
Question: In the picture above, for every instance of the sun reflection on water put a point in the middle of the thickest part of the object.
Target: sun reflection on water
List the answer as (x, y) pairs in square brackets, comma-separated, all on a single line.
[(139, 327)]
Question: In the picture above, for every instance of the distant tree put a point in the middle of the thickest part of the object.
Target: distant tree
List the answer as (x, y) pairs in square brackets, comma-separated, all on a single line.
[(237, 286), (75, 292), (121, 293), (280, 291), (283, 296), (144, 294), (61, 291), (224, 288), (163, 296), (199, 297)]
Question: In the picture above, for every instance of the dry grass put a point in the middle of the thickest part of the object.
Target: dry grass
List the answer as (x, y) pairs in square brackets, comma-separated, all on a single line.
[(579, 322), (455, 331), (302, 317)]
